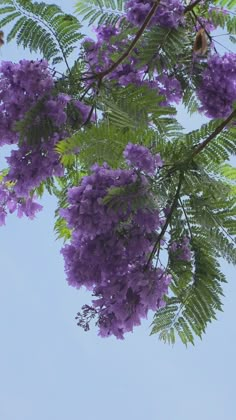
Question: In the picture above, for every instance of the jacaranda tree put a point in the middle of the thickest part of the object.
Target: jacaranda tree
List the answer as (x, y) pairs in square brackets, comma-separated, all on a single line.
[(145, 209)]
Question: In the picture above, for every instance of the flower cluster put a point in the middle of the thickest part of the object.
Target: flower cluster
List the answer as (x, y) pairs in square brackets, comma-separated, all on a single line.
[(22, 86), (170, 13), (181, 249), (9, 202), (170, 88), (217, 90), (140, 157), (98, 56), (29, 165), (110, 245)]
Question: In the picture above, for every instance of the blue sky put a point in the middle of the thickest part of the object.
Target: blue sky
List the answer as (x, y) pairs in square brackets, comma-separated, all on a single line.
[(51, 370)]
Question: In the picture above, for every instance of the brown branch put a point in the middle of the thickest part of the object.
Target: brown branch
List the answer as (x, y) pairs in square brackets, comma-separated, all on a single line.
[(133, 43), (203, 27), (168, 219), (211, 137), (138, 35), (190, 7)]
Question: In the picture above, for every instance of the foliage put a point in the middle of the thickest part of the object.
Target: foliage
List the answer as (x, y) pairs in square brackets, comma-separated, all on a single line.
[(106, 12), (41, 27), (194, 190)]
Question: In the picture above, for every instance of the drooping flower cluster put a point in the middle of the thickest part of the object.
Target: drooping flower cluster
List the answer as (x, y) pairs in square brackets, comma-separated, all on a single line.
[(170, 88), (141, 158), (29, 165), (99, 57), (217, 90), (170, 13), (9, 202), (181, 249), (22, 86), (110, 245)]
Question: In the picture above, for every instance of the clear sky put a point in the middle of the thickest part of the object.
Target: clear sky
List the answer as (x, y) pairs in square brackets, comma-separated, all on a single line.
[(50, 369)]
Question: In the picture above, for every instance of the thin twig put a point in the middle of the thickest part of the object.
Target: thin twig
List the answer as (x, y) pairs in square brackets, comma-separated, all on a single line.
[(226, 48), (133, 43), (190, 7), (203, 26), (186, 218), (86, 91), (211, 137), (168, 219)]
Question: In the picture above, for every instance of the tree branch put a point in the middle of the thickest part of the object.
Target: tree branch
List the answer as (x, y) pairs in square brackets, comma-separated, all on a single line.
[(133, 43), (211, 137), (203, 26), (190, 7), (186, 218), (168, 219), (138, 35)]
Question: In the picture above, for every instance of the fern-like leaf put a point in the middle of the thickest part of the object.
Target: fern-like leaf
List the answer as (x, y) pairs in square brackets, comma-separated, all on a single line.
[(41, 27), (106, 12)]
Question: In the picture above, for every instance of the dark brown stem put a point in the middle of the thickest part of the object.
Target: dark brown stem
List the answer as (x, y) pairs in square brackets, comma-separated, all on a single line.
[(168, 220), (85, 92), (133, 43), (190, 7), (138, 35), (186, 218), (217, 131), (203, 26)]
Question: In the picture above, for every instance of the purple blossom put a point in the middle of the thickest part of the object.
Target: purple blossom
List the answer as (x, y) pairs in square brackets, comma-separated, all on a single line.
[(170, 13), (55, 109), (141, 158), (91, 217), (104, 33), (170, 87), (21, 86), (110, 246), (207, 24), (181, 249), (99, 58), (84, 111), (29, 165), (9, 202), (217, 90)]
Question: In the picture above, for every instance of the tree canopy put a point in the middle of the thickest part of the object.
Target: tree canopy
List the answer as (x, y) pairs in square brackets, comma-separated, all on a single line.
[(145, 209)]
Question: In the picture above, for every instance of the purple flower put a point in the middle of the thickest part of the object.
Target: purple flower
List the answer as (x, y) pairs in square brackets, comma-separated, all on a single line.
[(9, 202), (217, 90), (170, 87), (181, 249), (29, 165), (2, 216), (21, 86), (84, 111), (141, 158), (110, 246), (98, 56), (170, 13)]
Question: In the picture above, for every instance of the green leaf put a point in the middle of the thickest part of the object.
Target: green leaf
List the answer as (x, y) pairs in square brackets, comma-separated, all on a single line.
[(106, 12), (41, 27)]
